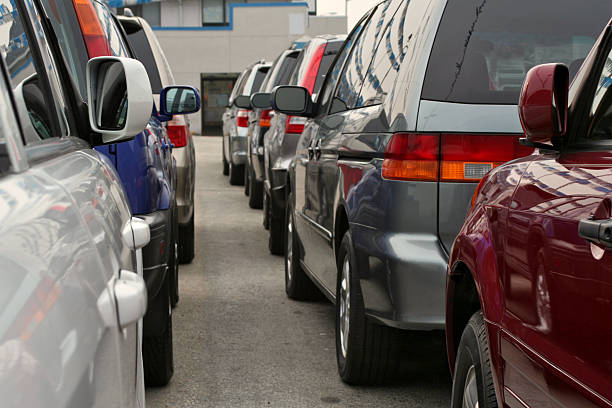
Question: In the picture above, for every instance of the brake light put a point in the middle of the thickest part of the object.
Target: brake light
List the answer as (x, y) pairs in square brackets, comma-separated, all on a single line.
[(295, 124), (264, 118), (242, 118), (313, 68), (448, 157), (93, 34), (177, 133)]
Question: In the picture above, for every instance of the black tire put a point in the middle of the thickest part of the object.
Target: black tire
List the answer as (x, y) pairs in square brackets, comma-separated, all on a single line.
[(246, 180), (370, 352), (255, 191), (266, 211), (157, 353), (473, 358), (277, 228), (298, 285), (187, 241), (225, 163), (236, 174)]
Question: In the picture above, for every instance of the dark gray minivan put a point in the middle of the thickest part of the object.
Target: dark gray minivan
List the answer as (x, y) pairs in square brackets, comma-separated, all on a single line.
[(419, 105)]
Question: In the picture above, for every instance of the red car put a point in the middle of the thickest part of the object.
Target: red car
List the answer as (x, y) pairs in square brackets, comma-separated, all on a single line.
[(529, 288)]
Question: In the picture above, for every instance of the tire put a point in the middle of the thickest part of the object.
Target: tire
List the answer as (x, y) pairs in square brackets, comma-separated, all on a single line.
[(473, 368), (225, 163), (298, 285), (157, 353), (236, 174), (246, 180), (187, 241), (255, 191), (266, 211), (366, 352), (277, 228)]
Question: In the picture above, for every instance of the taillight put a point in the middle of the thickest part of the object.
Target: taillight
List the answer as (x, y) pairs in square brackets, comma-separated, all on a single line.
[(93, 34), (264, 118), (448, 157), (295, 124), (242, 118), (177, 133), (313, 69)]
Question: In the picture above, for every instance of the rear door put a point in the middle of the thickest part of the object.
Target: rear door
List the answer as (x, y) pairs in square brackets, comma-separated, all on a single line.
[(557, 286), (477, 65)]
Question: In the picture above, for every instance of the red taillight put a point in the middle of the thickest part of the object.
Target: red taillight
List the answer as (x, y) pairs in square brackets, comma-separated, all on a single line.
[(264, 118), (313, 69), (177, 133), (295, 124), (242, 118), (448, 157), (93, 34)]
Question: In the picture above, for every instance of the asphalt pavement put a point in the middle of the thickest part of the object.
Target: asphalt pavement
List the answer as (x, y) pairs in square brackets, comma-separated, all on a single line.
[(240, 342)]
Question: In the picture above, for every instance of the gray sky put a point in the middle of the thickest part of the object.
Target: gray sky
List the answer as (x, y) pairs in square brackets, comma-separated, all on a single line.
[(356, 8)]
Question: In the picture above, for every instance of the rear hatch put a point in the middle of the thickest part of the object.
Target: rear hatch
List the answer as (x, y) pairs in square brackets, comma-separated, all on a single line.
[(481, 54)]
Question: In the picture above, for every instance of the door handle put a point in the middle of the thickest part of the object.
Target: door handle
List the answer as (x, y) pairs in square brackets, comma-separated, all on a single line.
[(596, 231), (310, 152), (317, 149)]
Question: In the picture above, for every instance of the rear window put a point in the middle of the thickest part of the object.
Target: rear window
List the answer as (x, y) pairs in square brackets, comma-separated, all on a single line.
[(142, 49), (260, 74), (484, 48)]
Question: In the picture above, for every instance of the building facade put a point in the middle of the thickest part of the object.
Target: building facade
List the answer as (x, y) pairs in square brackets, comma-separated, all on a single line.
[(209, 42)]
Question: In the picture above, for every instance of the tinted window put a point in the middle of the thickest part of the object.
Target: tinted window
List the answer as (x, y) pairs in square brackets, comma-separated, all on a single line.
[(142, 50), (484, 48), (601, 110), (283, 71), (117, 47), (258, 80), (331, 50)]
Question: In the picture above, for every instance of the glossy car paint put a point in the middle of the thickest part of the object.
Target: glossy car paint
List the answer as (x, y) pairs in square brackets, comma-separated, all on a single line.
[(63, 213), (542, 288)]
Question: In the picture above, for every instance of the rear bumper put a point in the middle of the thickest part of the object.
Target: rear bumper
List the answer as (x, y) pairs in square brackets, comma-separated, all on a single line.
[(238, 146), (155, 254), (402, 277)]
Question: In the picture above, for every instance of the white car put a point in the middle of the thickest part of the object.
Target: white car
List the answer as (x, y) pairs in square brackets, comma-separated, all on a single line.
[(71, 292)]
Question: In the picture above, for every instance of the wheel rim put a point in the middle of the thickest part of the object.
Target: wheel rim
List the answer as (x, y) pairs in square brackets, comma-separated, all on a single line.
[(470, 390), (345, 306), (289, 248)]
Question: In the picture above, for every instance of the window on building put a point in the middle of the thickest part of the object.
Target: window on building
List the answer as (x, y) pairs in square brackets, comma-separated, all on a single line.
[(217, 12), (150, 12)]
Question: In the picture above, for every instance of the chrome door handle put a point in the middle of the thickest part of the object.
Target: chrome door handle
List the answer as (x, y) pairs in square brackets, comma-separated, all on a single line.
[(310, 152)]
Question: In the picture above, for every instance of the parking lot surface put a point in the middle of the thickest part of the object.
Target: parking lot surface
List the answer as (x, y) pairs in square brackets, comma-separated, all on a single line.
[(240, 342)]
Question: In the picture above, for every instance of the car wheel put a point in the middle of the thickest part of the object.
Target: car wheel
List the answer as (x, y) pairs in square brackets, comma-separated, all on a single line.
[(225, 163), (473, 380), (366, 352), (236, 174), (255, 191), (187, 241), (298, 285), (246, 180), (276, 221), (157, 353), (266, 211)]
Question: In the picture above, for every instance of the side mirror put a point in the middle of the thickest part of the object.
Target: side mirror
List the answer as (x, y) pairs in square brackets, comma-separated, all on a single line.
[(120, 97), (179, 100), (261, 100), (292, 100), (242, 102), (543, 104)]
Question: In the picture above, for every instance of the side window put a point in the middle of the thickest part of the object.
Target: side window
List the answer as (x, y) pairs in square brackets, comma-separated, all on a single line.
[(384, 68), (601, 110), (356, 69), (28, 77), (117, 46), (8, 128)]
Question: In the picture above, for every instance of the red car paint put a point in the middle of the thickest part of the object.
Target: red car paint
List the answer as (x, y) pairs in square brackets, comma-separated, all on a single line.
[(545, 292)]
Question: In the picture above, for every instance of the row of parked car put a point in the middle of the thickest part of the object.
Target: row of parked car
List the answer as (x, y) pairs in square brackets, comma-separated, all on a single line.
[(96, 205), (368, 152)]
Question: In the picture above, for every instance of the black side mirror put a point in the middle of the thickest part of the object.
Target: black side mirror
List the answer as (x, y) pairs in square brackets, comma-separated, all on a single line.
[(292, 100), (242, 102), (261, 100)]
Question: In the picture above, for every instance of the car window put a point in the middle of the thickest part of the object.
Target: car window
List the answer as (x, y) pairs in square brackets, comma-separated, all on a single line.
[(260, 74), (484, 56), (142, 49), (331, 51), (28, 78), (8, 124), (356, 69), (330, 83), (117, 46), (287, 65), (601, 109), (388, 56)]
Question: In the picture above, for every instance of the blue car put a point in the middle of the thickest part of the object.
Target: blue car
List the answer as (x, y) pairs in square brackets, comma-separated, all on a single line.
[(87, 29)]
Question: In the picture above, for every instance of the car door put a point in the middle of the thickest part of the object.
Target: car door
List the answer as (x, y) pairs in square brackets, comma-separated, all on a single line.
[(557, 286)]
